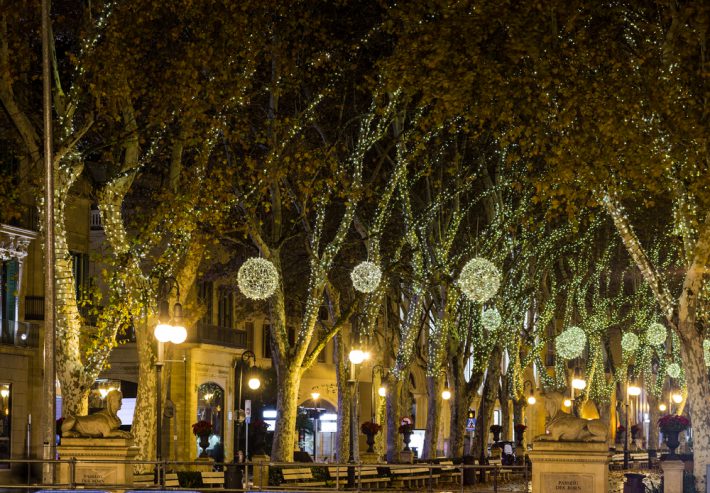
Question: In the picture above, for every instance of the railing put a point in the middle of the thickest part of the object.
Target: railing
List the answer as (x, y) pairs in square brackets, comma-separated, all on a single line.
[(268, 476), (34, 307), (22, 334), (221, 336)]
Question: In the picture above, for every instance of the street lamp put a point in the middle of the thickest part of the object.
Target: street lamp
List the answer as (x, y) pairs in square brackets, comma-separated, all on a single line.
[(446, 393), (635, 390), (254, 383), (578, 381), (167, 330), (662, 407), (315, 395), (531, 398), (356, 357)]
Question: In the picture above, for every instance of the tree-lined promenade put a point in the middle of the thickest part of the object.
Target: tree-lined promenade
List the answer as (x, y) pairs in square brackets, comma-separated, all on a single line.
[(566, 144)]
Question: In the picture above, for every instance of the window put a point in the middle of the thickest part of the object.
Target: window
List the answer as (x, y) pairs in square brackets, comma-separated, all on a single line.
[(266, 339), (205, 293), (5, 421), (9, 271), (225, 308), (80, 269)]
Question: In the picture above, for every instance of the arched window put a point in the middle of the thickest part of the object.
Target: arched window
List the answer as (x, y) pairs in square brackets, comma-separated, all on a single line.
[(210, 408)]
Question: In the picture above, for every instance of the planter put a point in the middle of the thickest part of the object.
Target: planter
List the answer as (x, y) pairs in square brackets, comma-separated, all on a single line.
[(370, 438), (671, 439), (519, 436), (204, 442), (406, 438), (496, 436)]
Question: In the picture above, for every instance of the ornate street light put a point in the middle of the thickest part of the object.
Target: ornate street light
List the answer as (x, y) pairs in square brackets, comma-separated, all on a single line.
[(315, 395), (446, 393), (167, 330), (356, 356), (631, 389), (247, 358)]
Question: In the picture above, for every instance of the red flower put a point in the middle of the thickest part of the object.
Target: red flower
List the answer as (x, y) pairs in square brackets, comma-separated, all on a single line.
[(673, 422), (202, 428), (405, 428), (370, 428)]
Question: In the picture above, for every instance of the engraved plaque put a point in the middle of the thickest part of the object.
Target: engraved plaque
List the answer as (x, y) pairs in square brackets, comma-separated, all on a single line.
[(567, 482), (97, 475)]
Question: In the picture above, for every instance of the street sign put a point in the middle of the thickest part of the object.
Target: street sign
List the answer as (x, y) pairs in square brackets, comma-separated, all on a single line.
[(247, 409), (470, 424)]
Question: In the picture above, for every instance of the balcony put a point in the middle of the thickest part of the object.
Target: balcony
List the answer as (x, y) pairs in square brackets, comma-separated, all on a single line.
[(22, 334), (221, 336)]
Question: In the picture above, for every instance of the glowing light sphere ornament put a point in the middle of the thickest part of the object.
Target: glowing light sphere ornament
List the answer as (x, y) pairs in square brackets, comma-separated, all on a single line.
[(257, 278), (673, 370), (491, 319), (479, 280), (629, 342), (656, 334), (366, 277), (570, 343)]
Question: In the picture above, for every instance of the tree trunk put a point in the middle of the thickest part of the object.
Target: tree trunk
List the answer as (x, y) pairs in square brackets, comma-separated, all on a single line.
[(289, 381), (504, 408), (342, 374), (696, 375), (488, 399), (394, 395), (144, 433), (432, 418), (653, 415)]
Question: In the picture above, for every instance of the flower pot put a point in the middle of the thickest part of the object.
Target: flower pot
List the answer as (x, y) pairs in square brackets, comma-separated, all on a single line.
[(671, 439), (519, 435), (204, 442), (496, 436), (370, 437), (406, 438)]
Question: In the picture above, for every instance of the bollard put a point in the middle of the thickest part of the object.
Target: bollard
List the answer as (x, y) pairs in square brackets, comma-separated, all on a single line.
[(634, 483)]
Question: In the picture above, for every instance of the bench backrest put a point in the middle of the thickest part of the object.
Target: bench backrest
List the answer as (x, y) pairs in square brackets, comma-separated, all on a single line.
[(171, 480), (296, 473)]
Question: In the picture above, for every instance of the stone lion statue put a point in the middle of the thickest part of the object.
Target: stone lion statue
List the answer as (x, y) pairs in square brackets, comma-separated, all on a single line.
[(564, 427), (101, 424)]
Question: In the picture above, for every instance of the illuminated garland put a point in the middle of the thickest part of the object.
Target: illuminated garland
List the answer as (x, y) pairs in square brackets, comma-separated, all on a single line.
[(673, 370), (656, 334), (257, 278), (629, 342), (570, 343), (706, 351), (366, 277), (491, 319), (479, 280)]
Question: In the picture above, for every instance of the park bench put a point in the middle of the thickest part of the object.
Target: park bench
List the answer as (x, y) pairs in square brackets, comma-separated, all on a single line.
[(366, 476), (503, 472), (144, 480), (616, 461), (211, 479), (640, 460), (414, 476), (299, 476), (449, 472)]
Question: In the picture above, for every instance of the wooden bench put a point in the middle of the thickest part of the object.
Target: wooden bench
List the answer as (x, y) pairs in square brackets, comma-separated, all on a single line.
[(503, 473), (212, 479), (299, 476), (449, 472), (413, 476), (616, 461), (144, 480), (366, 476), (639, 459)]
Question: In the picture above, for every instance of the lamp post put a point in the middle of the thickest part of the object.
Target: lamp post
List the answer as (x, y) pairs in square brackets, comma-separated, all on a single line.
[(531, 398), (356, 357), (635, 390), (164, 332), (254, 383), (315, 395)]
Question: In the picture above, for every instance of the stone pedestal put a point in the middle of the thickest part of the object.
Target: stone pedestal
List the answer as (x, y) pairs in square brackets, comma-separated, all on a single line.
[(260, 472), (406, 457), (672, 476), (369, 457), (97, 474), (204, 464), (580, 467)]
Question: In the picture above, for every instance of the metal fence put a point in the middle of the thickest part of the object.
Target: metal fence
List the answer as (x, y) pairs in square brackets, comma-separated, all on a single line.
[(304, 477)]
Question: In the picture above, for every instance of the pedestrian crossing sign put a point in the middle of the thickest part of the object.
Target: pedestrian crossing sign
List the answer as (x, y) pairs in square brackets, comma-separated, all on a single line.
[(470, 424)]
